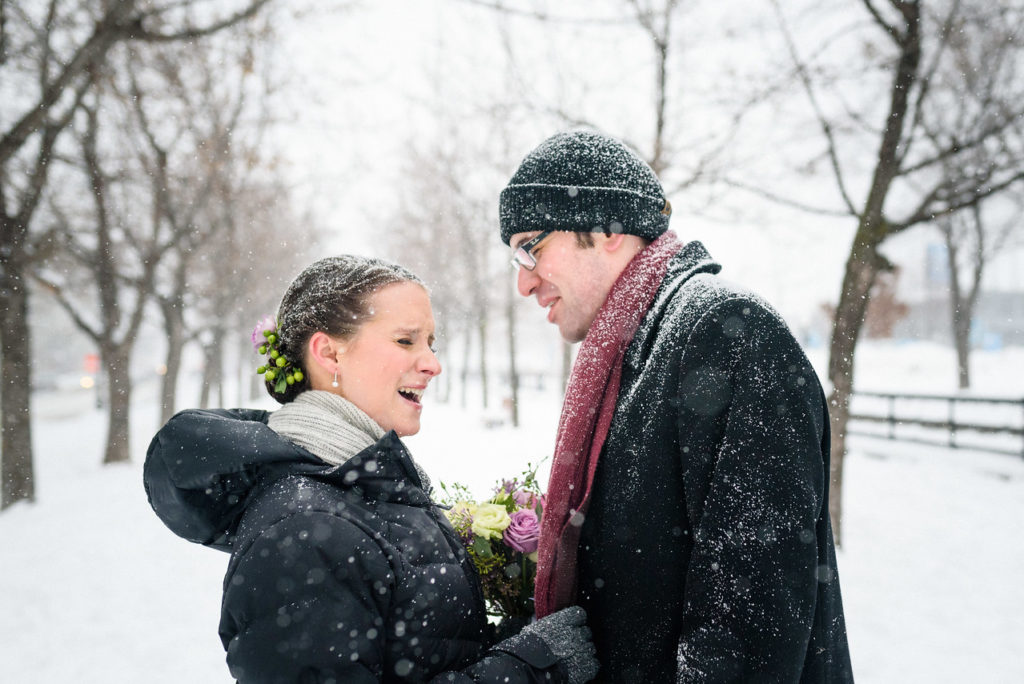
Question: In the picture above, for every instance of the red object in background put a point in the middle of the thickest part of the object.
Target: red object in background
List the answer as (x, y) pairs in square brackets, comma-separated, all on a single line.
[(91, 362)]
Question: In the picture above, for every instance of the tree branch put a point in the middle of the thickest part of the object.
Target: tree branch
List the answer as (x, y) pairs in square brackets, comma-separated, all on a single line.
[(880, 20), (106, 32), (58, 294), (499, 6), (826, 126), (37, 179), (785, 201), (137, 32), (924, 82), (926, 211)]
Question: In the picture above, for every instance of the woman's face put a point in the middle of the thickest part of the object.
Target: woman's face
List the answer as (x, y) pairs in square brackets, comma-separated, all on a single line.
[(385, 367)]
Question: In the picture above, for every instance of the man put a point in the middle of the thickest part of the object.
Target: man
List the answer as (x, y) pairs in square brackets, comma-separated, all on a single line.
[(688, 501)]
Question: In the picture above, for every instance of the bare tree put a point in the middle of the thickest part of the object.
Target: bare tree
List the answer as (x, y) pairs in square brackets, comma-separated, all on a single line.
[(101, 244), (944, 144), (239, 277), (49, 51), (200, 158), (442, 231), (682, 154), (972, 242)]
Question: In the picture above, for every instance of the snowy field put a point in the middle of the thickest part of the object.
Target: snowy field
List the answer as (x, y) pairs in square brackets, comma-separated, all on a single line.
[(93, 588)]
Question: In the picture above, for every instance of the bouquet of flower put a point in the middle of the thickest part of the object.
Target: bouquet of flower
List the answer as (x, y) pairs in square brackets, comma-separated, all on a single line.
[(501, 536)]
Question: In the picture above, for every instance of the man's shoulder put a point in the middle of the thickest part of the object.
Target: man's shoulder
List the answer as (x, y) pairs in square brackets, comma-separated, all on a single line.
[(685, 300)]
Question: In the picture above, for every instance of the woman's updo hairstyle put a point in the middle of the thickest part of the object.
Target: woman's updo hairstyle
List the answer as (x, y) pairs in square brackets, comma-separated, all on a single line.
[(331, 296)]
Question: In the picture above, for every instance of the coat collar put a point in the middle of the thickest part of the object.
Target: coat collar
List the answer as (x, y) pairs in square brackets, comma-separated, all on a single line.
[(383, 472), (692, 260)]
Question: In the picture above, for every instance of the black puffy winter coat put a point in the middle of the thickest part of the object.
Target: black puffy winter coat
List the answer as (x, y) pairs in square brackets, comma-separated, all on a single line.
[(706, 554), (337, 573)]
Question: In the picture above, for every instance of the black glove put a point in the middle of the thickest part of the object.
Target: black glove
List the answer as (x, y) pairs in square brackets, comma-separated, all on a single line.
[(567, 635)]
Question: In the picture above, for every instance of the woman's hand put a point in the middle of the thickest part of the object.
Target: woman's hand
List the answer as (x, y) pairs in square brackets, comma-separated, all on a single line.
[(567, 635)]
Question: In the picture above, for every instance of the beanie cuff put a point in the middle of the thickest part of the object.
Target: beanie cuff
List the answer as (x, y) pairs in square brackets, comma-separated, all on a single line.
[(533, 207)]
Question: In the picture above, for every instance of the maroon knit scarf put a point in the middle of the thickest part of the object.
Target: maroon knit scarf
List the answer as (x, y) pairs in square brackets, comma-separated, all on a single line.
[(586, 417)]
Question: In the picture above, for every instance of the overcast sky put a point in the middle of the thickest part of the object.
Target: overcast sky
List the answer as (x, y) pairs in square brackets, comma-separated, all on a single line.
[(361, 89)]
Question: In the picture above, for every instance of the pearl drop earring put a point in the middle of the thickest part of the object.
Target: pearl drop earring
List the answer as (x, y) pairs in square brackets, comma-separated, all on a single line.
[(334, 383)]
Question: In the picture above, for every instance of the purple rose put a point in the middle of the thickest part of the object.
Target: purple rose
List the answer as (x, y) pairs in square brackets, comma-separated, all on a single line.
[(258, 338), (523, 532)]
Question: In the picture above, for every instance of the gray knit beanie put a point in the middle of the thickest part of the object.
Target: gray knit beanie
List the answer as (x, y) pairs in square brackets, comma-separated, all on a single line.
[(584, 181)]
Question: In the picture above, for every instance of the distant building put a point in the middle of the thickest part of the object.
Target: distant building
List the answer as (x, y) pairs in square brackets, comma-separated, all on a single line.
[(925, 283)]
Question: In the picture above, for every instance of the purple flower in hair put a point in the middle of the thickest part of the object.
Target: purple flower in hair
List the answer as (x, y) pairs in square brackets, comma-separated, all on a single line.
[(264, 324)]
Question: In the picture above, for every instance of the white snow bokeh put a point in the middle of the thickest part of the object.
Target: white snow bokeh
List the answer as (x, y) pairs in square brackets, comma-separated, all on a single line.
[(96, 590)]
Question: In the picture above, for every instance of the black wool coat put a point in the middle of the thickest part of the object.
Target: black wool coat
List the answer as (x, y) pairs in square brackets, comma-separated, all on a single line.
[(337, 573), (706, 553)]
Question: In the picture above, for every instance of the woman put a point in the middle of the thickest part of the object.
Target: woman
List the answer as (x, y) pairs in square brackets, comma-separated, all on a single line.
[(342, 570)]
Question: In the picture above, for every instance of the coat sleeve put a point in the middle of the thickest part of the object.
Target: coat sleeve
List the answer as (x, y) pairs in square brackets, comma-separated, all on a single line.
[(308, 600), (751, 426)]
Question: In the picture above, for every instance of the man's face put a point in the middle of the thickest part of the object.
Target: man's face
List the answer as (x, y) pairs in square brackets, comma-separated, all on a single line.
[(570, 281)]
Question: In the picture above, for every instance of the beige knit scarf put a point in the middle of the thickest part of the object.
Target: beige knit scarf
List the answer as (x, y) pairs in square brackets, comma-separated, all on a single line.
[(330, 427)]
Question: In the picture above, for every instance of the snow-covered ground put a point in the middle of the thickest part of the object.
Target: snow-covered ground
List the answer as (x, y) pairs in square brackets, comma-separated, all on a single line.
[(93, 588)]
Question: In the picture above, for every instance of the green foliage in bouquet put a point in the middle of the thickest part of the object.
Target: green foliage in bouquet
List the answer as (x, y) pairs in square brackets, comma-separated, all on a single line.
[(501, 536)]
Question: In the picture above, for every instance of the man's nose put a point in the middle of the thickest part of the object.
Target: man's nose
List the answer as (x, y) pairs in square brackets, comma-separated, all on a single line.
[(526, 281)]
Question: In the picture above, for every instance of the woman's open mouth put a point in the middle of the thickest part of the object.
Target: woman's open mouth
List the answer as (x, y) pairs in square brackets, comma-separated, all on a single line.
[(412, 394)]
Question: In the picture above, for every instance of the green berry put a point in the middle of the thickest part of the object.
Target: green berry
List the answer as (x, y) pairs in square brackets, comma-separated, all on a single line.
[(281, 362), (262, 349), (274, 353), (261, 370), (299, 377), (290, 379), (266, 333), (272, 338), (270, 374)]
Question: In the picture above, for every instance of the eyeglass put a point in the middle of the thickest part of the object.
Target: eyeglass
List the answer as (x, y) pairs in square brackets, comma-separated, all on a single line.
[(523, 256)]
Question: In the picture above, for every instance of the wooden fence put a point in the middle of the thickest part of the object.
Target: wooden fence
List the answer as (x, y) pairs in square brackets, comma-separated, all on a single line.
[(992, 424)]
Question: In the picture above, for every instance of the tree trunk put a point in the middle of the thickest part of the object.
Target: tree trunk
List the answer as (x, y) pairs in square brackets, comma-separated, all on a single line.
[(861, 269), (16, 472), (513, 372), (119, 394), (245, 375), (962, 339), (174, 326), (865, 261), (464, 377), (482, 336), (213, 371), (204, 387), (446, 385), (962, 304)]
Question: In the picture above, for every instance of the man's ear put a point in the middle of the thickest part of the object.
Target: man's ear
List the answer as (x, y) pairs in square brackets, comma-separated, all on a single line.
[(323, 350), (613, 242)]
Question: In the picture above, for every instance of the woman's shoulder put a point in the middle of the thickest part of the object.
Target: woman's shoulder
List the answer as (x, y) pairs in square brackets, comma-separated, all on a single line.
[(301, 494), (308, 512)]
